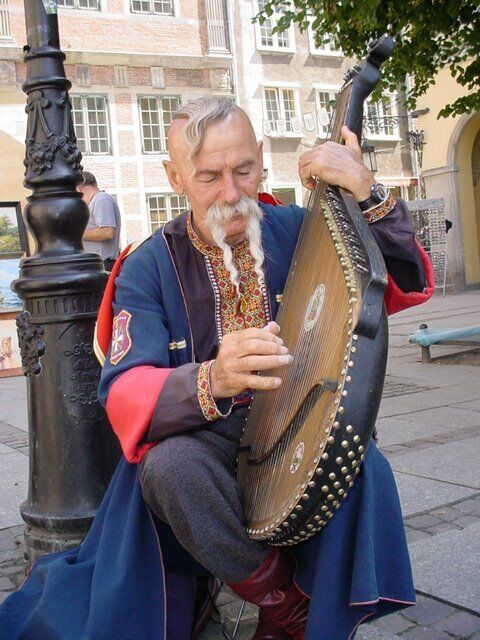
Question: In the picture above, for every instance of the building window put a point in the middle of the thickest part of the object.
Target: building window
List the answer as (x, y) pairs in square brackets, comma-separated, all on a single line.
[(267, 39), (381, 118), (94, 5), (217, 26), (281, 111), (328, 47), (121, 76), (325, 107), (156, 113), (159, 7), (163, 207), (5, 31), (90, 120), (83, 75)]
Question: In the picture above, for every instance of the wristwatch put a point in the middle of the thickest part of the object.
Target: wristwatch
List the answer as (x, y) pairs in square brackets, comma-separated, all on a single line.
[(378, 194)]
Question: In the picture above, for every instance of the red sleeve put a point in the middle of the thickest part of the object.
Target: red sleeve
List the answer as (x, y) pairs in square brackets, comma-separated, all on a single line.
[(397, 300), (130, 405)]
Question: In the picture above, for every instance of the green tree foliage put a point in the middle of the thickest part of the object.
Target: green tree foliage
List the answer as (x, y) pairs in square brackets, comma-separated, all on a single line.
[(430, 35)]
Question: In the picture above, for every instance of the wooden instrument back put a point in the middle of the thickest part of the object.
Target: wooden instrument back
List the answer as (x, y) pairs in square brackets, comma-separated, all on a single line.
[(303, 444)]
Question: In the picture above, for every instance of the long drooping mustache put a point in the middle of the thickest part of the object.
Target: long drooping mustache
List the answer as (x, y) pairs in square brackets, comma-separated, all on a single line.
[(218, 215)]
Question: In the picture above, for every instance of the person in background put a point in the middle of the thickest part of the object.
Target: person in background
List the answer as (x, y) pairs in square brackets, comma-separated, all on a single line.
[(102, 234)]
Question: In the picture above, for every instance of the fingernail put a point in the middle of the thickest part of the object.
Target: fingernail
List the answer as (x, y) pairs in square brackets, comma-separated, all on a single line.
[(277, 382), (283, 349), (286, 359)]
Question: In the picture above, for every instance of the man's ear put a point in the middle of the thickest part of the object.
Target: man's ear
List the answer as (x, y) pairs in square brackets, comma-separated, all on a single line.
[(173, 177)]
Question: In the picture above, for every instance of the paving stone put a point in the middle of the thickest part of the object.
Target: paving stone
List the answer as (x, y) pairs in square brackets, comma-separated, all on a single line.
[(454, 462), (5, 584), (427, 611), (447, 567), (372, 632), (422, 522), (394, 623), (413, 535), (469, 506), (425, 633), (447, 513), (424, 494), (441, 528), (466, 521), (459, 623)]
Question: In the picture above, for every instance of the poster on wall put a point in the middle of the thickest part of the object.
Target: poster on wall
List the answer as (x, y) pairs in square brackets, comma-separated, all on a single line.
[(9, 301), (13, 240), (10, 359)]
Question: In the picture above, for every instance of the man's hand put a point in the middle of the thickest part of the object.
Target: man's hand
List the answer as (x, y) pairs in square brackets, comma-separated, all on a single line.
[(337, 164), (241, 355)]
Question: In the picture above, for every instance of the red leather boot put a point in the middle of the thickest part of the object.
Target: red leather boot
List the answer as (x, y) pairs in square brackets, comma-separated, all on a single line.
[(267, 631), (283, 607)]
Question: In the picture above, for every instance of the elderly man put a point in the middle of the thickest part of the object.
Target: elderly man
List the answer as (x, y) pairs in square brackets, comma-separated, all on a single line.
[(202, 289), (194, 308)]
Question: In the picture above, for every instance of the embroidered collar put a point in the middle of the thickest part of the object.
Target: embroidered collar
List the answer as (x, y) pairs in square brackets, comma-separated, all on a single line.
[(240, 250)]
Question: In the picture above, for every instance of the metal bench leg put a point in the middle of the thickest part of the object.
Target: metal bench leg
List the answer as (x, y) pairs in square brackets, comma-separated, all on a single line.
[(237, 623)]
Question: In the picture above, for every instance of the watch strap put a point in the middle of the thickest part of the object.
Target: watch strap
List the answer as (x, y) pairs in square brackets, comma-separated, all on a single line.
[(368, 203)]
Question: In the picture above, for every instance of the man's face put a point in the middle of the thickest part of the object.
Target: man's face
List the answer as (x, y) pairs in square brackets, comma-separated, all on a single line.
[(226, 169)]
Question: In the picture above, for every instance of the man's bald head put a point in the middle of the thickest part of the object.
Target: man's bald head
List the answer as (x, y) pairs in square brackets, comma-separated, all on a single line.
[(190, 123)]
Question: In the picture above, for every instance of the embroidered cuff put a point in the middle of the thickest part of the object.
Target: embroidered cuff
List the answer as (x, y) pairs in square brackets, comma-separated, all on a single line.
[(380, 210), (207, 403)]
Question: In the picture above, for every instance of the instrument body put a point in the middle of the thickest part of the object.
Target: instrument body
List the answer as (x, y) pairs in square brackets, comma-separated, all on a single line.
[(303, 444)]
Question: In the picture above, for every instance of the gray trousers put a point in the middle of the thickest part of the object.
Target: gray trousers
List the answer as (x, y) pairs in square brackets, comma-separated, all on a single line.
[(189, 483)]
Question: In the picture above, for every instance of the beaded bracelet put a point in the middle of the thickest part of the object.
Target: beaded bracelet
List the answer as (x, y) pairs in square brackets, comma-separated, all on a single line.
[(380, 211)]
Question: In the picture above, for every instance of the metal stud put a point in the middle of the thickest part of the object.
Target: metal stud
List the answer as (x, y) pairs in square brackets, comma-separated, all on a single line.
[(348, 478), (355, 337), (361, 448), (325, 456), (354, 464), (345, 495), (351, 454), (354, 349), (345, 444), (325, 488), (350, 364), (317, 518), (337, 485), (305, 496), (311, 484), (332, 476), (356, 438), (344, 393), (319, 471), (339, 460), (344, 470), (348, 378), (293, 516), (336, 424), (324, 508), (330, 439), (341, 410), (349, 428), (330, 497), (298, 507), (341, 492)]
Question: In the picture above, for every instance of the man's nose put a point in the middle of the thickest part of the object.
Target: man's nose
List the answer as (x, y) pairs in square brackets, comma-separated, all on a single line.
[(231, 193)]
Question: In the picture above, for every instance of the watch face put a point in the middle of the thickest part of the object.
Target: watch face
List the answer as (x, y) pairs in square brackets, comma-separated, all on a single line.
[(379, 192)]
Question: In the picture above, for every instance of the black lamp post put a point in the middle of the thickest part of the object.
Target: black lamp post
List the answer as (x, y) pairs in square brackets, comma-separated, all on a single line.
[(369, 157), (72, 449)]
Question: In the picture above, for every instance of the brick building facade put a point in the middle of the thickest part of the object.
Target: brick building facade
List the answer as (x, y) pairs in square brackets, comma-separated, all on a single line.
[(132, 63)]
